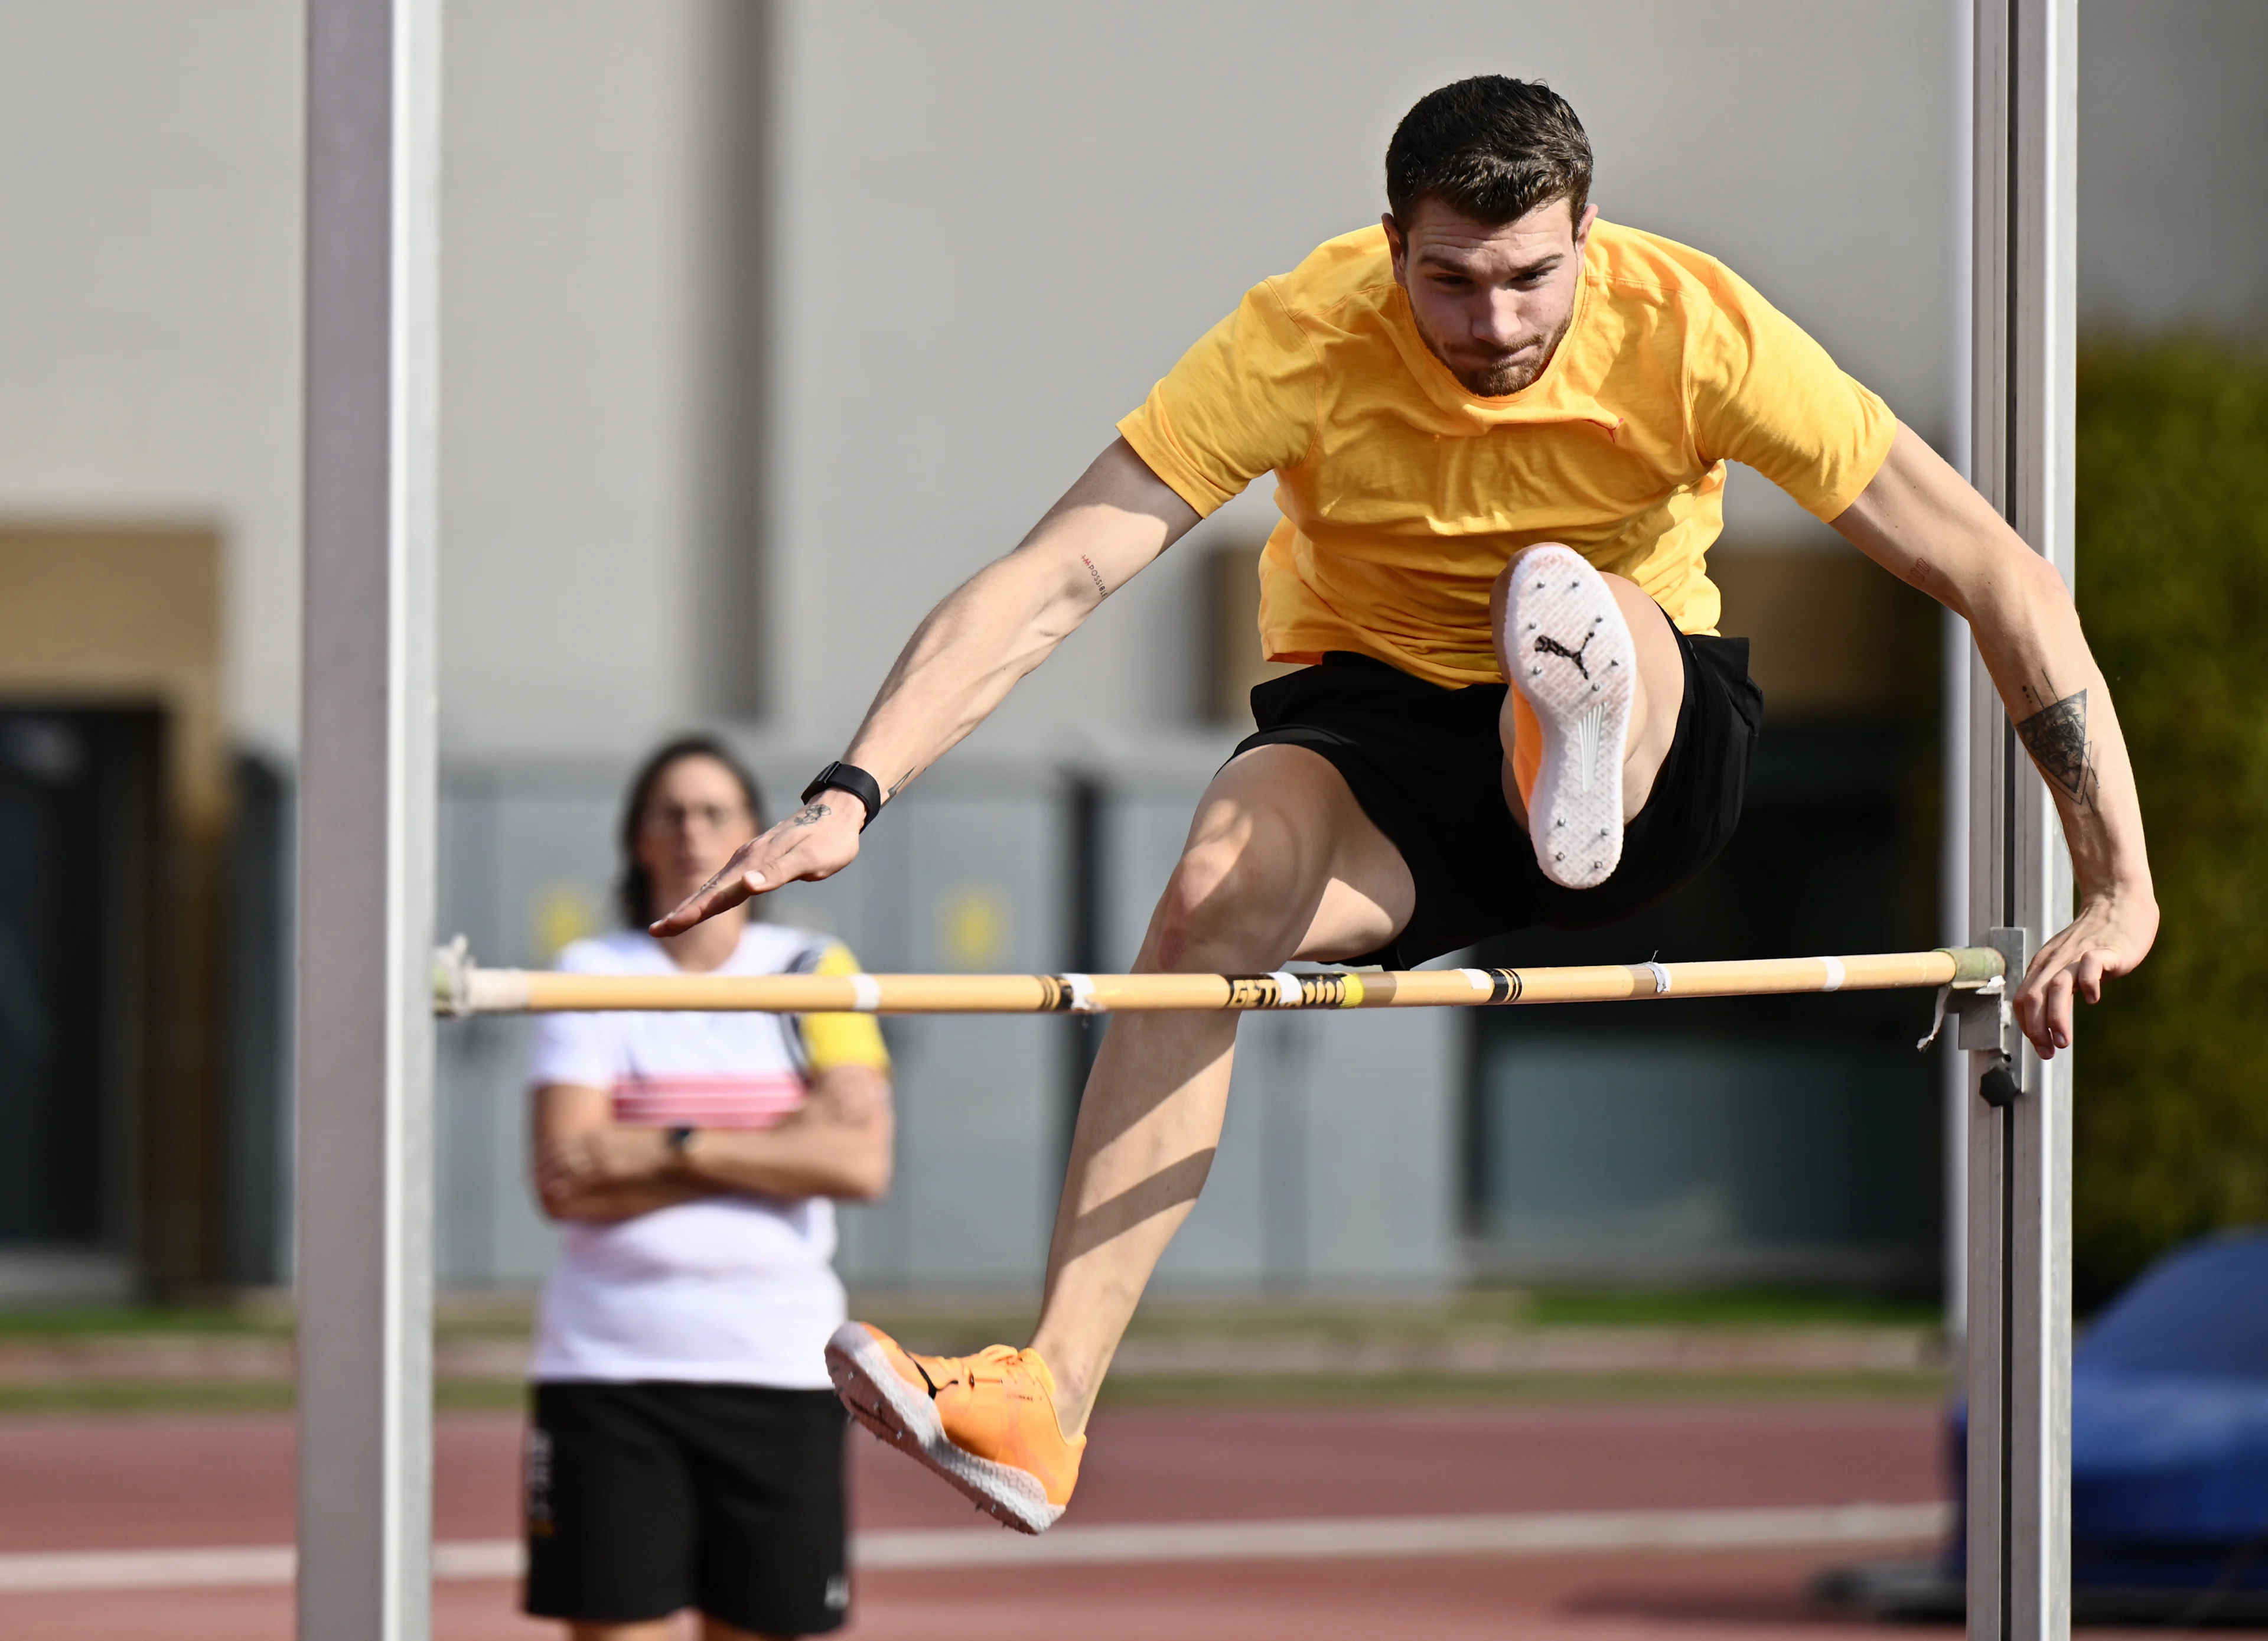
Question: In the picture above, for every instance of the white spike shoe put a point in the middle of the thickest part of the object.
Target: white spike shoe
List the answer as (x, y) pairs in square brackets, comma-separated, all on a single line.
[(1573, 662)]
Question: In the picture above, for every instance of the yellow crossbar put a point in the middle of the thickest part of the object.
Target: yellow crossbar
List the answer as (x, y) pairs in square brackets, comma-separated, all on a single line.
[(460, 988)]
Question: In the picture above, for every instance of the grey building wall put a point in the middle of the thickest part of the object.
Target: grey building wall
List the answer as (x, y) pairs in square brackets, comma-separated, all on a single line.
[(150, 175), (584, 337), (2173, 164)]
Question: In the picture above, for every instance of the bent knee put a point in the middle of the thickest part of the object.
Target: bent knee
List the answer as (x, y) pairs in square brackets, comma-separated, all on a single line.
[(1228, 898), (1244, 891)]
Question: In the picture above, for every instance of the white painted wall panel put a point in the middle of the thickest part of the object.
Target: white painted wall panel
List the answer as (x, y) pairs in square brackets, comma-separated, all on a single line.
[(149, 296), (578, 137)]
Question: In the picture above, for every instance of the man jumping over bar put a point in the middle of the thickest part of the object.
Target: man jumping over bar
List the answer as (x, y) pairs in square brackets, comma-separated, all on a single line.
[(1498, 428)]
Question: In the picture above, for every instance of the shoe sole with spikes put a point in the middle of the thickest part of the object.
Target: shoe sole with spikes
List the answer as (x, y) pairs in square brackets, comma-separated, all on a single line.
[(1574, 664)]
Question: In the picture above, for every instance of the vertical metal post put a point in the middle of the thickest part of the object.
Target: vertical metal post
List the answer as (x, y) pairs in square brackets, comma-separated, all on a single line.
[(2019, 1343), (1955, 923), (1957, 1076), (366, 818)]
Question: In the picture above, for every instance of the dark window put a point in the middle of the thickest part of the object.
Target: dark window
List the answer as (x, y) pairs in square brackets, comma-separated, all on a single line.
[(77, 793)]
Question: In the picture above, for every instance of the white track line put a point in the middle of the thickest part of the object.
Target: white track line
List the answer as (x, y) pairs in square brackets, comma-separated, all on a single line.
[(1376, 1538), (145, 1568), (1382, 1537)]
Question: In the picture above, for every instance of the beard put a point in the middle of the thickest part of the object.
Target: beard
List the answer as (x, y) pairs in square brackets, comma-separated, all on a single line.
[(1502, 375), (1503, 379)]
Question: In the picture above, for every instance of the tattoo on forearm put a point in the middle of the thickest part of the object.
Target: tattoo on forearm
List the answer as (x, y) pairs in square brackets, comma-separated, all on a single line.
[(899, 785), (2056, 736), (811, 814), (1101, 591)]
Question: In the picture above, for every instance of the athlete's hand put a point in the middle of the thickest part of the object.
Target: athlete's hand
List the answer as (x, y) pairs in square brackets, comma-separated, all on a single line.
[(816, 842), (2109, 937)]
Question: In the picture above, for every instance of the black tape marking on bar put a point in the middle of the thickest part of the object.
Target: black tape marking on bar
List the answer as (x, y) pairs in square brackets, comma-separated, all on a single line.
[(1503, 985), (1311, 991)]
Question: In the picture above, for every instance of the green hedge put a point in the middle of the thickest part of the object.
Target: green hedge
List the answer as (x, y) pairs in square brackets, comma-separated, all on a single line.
[(2172, 1070)]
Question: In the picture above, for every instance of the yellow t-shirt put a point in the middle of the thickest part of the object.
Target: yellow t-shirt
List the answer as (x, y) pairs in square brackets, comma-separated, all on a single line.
[(1404, 495), (833, 1040)]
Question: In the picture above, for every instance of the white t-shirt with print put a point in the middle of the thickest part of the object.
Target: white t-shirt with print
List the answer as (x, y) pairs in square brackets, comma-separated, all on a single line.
[(731, 1289)]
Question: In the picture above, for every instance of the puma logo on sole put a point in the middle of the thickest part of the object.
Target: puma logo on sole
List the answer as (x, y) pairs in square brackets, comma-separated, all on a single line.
[(1547, 645)]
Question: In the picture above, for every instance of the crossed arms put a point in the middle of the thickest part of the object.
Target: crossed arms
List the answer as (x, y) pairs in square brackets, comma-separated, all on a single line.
[(590, 1167), (1918, 519)]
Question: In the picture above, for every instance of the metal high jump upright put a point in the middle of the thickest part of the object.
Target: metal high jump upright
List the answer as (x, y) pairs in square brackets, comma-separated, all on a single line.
[(367, 822), (2019, 1173)]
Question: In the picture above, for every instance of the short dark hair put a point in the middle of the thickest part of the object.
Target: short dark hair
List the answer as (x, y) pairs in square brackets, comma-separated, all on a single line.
[(634, 889), (1492, 148)]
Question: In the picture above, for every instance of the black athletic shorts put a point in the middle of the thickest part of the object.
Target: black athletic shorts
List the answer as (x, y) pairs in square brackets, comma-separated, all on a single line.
[(643, 1499), (1425, 763)]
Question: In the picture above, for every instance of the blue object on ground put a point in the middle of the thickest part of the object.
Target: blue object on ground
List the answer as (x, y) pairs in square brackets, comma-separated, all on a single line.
[(2170, 1428), (2170, 1425)]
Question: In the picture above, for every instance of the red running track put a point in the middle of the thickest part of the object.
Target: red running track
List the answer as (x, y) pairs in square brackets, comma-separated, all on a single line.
[(142, 1483)]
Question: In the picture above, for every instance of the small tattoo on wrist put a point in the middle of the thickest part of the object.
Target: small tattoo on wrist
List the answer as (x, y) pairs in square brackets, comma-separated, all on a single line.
[(1101, 591), (811, 814)]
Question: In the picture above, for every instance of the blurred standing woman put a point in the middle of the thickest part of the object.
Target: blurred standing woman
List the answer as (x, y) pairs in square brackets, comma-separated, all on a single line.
[(686, 1449)]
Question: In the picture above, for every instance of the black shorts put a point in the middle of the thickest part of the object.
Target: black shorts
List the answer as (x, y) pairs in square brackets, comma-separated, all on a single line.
[(644, 1499), (1426, 765)]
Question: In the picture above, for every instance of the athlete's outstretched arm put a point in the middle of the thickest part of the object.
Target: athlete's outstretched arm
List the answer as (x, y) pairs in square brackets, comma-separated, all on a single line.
[(963, 660), (1920, 520)]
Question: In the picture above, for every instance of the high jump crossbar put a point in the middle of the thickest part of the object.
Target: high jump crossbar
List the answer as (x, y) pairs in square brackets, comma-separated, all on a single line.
[(462, 988)]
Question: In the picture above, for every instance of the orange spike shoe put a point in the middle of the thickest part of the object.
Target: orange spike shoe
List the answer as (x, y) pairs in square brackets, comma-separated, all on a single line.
[(985, 1422)]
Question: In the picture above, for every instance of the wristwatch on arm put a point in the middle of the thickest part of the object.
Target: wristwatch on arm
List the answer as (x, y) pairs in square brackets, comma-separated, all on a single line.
[(849, 777)]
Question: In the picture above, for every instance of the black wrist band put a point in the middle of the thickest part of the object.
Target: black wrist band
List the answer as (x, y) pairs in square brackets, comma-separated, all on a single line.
[(849, 777)]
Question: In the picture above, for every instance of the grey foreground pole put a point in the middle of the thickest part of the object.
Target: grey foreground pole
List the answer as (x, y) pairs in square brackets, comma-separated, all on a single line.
[(366, 819), (2019, 1337), (1955, 923)]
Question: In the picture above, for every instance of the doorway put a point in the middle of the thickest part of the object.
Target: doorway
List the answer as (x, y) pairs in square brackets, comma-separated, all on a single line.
[(79, 897)]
